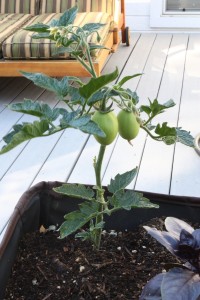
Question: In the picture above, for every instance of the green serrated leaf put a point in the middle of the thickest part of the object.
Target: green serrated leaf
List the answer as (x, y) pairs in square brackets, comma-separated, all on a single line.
[(68, 17), (96, 97), (130, 199), (96, 84), (75, 190), (73, 221), (121, 181), (185, 137), (37, 109), (154, 108), (89, 209), (24, 133), (92, 27), (59, 87), (92, 128), (164, 130)]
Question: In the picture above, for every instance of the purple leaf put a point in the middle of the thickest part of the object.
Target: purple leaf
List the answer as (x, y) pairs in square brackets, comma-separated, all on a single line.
[(174, 226), (152, 289), (180, 284), (187, 239), (196, 235), (164, 238)]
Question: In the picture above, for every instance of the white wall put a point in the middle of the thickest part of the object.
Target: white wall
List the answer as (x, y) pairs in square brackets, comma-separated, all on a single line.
[(138, 18), (138, 14)]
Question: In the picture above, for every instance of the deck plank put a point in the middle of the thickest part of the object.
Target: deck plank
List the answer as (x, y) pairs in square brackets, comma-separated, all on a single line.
[(186, 167), (157, 156)]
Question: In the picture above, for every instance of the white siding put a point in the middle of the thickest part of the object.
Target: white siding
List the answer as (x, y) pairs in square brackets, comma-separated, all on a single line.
[(138, 14), (138, 18)]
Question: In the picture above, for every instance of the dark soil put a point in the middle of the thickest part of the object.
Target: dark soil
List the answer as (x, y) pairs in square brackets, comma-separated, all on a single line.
[(50, 268)]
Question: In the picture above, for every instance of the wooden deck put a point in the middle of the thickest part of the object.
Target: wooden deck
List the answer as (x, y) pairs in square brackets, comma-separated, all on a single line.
[(171, 67)]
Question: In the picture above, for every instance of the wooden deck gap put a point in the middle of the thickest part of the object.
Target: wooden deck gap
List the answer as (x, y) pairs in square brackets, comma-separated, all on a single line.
[(77, 159), (128, 58), (146, 62), (164, 66), (111, 153), (179, 109)]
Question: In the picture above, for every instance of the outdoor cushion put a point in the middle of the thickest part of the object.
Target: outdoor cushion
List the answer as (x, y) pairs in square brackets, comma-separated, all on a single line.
[(21, 45), (59, 6), (10, 23), (19, 6)]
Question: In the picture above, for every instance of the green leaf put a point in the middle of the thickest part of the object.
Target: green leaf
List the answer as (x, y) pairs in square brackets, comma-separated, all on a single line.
[(96, 84), (121, 181), (59, 87), (90, 233), (76, 219), (92, 128), (22, 133), (39, 27), (130, 199), (67, 18), (36, 108), (185, 137), (127, 78), (154, 108), (89, 209), (91, 27), (164, 130), (75, 190), (96, 97)]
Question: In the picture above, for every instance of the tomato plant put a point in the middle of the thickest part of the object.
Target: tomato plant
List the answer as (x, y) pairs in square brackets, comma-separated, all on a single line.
[(128, 125), (79, 111), (108, 124)]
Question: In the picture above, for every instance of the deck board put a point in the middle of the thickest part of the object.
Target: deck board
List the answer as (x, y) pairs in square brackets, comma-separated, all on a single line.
[(170, 65)]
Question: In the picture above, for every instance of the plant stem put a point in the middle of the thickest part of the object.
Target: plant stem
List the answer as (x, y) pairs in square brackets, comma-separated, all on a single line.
[(100, 195)]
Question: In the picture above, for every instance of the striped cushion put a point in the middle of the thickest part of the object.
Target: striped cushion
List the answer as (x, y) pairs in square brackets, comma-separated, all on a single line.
[(21, 45), (19, 6), (59, 6), (9, 23)]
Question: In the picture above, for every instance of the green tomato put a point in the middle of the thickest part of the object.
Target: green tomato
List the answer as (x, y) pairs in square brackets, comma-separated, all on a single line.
[(108, 124), (128, 125)]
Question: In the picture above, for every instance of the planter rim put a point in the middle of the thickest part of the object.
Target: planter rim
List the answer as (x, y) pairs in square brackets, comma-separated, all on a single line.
[(23, 202)]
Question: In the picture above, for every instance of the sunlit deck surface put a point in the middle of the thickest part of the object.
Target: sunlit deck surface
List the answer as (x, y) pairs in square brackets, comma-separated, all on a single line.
[(170, 64)]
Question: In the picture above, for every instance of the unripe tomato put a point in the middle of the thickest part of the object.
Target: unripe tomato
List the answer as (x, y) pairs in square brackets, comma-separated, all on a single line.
[(108, 124), (128, 125)]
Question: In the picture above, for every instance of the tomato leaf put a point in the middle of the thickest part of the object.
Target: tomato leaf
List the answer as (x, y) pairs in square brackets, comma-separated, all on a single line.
[(59, 86), (154, 108), (127, 78), (96, 84), (39, 27), (184, 137), (24, 132), (37, 109), (130, 199), (76, 219), (121, 181), (75, 190)]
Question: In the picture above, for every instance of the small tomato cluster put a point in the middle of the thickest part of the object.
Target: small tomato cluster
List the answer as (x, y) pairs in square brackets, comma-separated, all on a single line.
[(125, 123)]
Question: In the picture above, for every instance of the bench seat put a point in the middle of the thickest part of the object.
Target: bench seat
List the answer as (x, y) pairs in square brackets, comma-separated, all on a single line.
[(10, 23), (22, 45), (19, 51)]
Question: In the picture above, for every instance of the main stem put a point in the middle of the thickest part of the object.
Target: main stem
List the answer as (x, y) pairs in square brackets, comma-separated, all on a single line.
[(100, 194)]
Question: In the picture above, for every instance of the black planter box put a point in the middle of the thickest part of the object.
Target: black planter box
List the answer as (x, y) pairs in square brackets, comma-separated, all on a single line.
[(42, 206)]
